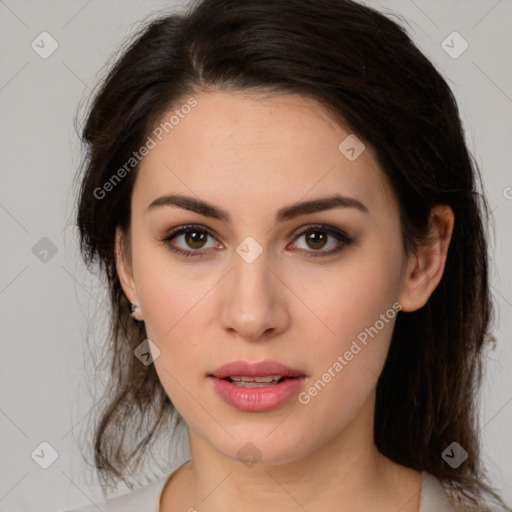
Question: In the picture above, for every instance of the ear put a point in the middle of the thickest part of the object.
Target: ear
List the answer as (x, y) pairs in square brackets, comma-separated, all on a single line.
[(426, 265), (124, 271)]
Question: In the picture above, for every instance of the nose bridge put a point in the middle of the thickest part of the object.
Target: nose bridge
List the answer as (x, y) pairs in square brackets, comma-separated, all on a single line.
[(251, 304), (250, 277)]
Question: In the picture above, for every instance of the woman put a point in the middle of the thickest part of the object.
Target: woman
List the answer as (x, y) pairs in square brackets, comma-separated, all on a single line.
[(281, 197)]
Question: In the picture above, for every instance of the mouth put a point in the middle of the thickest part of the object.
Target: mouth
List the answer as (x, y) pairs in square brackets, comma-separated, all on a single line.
[(257, 387), (257, 396)]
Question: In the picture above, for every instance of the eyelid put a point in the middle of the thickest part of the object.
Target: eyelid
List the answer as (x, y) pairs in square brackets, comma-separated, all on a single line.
[(185, 228), (323, 227)]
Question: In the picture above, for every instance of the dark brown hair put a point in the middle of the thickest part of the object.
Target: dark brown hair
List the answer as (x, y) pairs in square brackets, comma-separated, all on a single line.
[(363, 69)]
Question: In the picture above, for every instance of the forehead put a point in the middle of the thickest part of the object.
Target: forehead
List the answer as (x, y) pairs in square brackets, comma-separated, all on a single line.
[(258, 146)]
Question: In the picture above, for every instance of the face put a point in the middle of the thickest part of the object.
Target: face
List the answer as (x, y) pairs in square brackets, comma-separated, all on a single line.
[(263, 280)]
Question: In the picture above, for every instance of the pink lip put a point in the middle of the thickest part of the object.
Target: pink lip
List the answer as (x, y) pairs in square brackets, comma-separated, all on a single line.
[(261, 369), (258, 399)]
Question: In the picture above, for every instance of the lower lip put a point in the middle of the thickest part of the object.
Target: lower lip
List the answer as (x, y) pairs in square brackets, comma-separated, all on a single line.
[(257, 399)]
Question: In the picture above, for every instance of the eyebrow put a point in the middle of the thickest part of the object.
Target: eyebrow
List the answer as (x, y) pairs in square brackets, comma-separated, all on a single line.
[(285, 213)]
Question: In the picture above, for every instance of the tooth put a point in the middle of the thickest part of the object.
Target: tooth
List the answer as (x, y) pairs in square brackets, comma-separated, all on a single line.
[(242, 378), (243, 384)]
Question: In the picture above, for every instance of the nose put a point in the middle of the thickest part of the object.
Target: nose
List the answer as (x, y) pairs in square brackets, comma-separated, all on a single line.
[(254, 300)]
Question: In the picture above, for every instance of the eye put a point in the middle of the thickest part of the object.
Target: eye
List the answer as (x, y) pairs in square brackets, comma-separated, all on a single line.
[(317, 236), (193, 236)]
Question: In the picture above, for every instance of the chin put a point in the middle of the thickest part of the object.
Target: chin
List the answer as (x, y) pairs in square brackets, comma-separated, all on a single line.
[(260, 450)]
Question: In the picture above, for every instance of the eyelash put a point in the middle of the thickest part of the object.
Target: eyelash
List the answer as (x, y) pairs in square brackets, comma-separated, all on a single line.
[(337, 234)]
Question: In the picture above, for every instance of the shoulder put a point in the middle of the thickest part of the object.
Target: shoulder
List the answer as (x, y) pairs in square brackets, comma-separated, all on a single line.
[(146, 498), (433, 496)]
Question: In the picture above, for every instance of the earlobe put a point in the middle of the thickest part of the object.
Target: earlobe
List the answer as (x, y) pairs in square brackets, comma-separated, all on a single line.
[(426, 265), (123, 268)]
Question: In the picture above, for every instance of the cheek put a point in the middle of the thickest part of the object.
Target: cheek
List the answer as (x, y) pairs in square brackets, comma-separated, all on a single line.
[(173, 311), (357, 307), (351, 296), (169, 291), (347, 367)]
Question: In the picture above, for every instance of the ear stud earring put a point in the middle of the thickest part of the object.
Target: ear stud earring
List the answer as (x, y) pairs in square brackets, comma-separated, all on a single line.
[(133, 307)]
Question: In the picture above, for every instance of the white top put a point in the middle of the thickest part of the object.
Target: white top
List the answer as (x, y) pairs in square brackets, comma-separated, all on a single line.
[(147, 499)]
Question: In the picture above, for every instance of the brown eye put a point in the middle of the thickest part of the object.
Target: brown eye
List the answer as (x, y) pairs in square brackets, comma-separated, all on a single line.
[(192, 237), (318, 237), (195, 239)]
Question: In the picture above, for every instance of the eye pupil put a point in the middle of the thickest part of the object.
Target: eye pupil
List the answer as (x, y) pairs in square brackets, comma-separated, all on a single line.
[(317, 238), (192, 234)]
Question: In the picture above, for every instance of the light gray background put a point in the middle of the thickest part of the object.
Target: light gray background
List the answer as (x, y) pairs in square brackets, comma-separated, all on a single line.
[(47, 371)]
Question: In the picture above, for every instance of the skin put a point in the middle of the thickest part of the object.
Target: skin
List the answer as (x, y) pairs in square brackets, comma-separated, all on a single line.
[(252, 155)]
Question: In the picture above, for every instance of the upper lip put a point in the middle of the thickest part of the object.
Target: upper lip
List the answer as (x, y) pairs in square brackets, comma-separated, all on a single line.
[(260, 369)]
